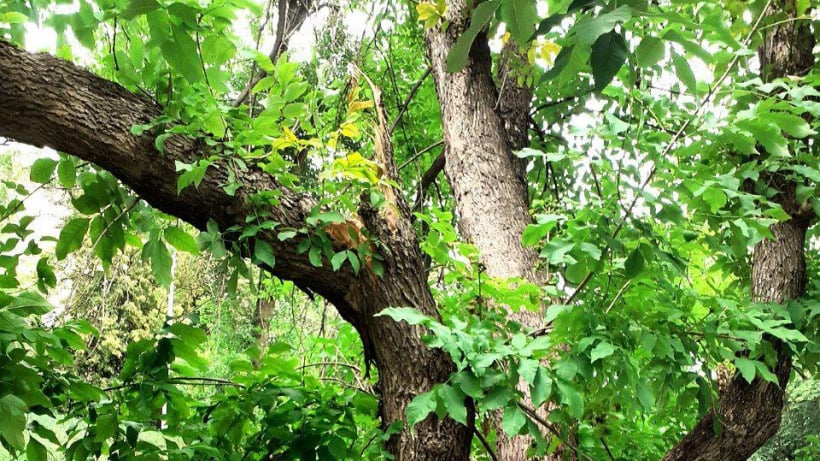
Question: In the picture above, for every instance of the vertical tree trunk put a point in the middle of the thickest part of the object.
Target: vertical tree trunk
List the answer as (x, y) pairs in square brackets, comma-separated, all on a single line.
[(749, 413), (481, 130)]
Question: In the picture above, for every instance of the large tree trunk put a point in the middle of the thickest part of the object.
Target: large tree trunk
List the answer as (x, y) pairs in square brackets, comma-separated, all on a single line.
[(45, 101), (481, 130), (749, 413)]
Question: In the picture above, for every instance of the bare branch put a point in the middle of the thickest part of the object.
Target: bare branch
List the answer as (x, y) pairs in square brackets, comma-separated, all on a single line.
[(409, 98)]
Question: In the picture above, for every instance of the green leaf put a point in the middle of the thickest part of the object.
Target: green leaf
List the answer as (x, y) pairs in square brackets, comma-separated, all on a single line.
[(764, 372), (67, 173), (460, 52), (546, 25), (746, 368), (571, 398), (513, 420), (420, 407), (684, 73), (602, 350), (315, 256), (807, 172), (42, 169), (650, 52), (71, 237), (793, 125), (295, 110), (45, 275), (454, 402), (188, 334), (527, 369), (295, 90), (497, 398), (217, 49), (646, 395), (29, 303), (181, 240), (468, 384), (13, 17), (338, 259), (139, 7), (634, 264), (716, 199), (354, 260), (263, 251), (161, 261), (608, 56), (588, 32), (521, 17), (541, 387), (106, 427), (35, 451), (409, 315), (13, 421), (181, 53)]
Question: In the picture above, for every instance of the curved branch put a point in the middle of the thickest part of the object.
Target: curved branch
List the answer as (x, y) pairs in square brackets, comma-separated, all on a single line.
[(48, 102)]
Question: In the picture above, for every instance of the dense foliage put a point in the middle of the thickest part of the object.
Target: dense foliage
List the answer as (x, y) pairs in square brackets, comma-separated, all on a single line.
[(651, 131)]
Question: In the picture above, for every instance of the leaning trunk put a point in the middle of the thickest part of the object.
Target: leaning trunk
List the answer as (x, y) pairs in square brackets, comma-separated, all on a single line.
[(749, 413)]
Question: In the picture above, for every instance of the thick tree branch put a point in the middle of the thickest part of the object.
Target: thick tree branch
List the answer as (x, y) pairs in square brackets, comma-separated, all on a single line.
[(45, 101), (49, 102)]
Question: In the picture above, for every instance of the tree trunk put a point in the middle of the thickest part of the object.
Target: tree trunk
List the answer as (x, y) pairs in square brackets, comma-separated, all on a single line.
[(481, 131), (749, 413), (45, 101)]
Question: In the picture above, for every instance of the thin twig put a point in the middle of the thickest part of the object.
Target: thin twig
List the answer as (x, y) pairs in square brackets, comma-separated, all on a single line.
[(409, 98), (486, 444), (420, 153), (608, 451), (618, 296)]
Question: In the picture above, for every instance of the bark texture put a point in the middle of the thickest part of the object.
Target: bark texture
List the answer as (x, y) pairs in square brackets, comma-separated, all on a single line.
[(482, 128), (750, 413), (45, 101), (486, 178)]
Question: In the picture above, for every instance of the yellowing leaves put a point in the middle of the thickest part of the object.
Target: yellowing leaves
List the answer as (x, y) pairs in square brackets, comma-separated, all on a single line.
[(358, 168), (549, 51), (431, 13), (350, 130), (358, 106), (289, 139), (546, 51)]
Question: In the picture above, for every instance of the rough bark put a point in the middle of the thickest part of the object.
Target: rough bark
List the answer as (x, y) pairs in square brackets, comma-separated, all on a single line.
[(48, 102), (482, 129), (489, 190), (749, 413)]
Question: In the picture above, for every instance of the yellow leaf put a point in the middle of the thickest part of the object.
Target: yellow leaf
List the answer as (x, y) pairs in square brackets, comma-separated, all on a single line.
[(426, 11), (289, 135), (350, 130), (356, 106), (355, 166), (549, 50)]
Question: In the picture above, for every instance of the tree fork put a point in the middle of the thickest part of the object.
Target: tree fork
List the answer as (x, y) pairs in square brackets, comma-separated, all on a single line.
[(45, 101)]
